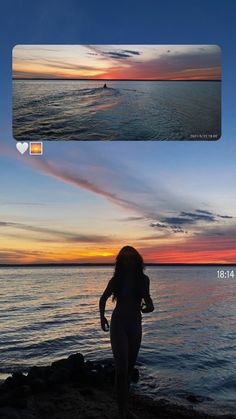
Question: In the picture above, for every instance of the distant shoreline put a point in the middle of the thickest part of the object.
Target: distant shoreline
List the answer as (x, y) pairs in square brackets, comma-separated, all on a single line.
[(69, 265), (102, 80)]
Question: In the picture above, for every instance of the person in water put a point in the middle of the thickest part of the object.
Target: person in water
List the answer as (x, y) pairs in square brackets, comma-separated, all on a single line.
[(129, 287), (105, 86)]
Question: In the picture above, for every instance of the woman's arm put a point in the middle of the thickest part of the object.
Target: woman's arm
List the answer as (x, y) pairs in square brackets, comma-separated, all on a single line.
[(148, 306), (102, 305)]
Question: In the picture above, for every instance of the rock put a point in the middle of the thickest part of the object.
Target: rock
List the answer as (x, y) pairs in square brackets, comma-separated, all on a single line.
[(79, 378), (89, 365), (77, 360), (72, 370), (17, 379), (58, 378), (26, 390), (37, 385), (61, 363), (19, 403), (193, 398), (93, 379), (15, 399), (8, 384), (4, 400), (36, 373), (21, 391), (33, 373), (44, 372)]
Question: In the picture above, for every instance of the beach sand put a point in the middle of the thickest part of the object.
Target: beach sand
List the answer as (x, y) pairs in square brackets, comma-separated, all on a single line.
[(72, 388)]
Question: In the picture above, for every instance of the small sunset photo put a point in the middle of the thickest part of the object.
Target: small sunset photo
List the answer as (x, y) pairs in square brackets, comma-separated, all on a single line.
[(116, 92)]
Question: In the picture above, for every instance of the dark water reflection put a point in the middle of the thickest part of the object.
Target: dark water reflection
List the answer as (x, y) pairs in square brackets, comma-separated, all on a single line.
[(126, 110)]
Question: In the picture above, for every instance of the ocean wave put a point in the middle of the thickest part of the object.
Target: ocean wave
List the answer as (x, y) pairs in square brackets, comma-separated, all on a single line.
[(86, 111), (55, 98)]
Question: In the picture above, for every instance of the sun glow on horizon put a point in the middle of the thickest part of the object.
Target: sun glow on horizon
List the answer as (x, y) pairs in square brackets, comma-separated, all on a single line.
[(189, 251), (117, 62)]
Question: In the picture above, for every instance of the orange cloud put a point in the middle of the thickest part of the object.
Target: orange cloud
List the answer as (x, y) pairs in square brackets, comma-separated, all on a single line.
[(193, 250)]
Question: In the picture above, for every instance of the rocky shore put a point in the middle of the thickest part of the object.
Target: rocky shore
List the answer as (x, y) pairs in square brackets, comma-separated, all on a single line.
[(73, 388)]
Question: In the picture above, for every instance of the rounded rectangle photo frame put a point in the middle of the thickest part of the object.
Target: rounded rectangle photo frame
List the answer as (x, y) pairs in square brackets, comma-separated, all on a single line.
[(116, 92)]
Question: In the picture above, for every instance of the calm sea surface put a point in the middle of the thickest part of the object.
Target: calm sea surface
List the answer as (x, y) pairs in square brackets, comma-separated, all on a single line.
[(126, 110), (189, 341)]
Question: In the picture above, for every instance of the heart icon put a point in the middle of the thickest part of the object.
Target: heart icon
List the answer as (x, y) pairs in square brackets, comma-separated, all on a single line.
[(22, 147)]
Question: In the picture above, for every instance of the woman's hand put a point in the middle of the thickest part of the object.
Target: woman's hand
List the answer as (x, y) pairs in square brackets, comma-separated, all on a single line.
[(104, 324), (147, 308)]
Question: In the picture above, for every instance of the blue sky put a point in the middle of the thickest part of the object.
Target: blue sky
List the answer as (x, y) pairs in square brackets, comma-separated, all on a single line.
[(96, 196)]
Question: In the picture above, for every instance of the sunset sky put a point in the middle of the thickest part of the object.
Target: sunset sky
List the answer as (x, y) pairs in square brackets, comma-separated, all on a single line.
[(149, 62), (80, 202)]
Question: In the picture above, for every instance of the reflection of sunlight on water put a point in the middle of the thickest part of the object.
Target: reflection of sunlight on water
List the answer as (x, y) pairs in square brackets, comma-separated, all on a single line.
[(188, 341), (107, 105)]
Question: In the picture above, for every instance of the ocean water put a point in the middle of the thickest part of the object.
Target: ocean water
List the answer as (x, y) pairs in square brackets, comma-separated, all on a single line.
[(189, 341), (127, 110)]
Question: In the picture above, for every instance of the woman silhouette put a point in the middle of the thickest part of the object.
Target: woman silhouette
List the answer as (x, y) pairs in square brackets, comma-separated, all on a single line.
[(129, 286)]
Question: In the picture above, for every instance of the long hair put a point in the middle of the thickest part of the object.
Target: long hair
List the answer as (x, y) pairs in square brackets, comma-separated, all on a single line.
[(128, 261)]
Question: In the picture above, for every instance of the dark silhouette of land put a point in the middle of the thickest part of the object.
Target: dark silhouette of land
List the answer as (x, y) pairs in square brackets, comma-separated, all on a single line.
[(73, 387), (101, 80), (56, 264)]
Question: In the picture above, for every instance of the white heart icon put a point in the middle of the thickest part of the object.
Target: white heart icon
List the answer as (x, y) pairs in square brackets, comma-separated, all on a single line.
[(22, 147)]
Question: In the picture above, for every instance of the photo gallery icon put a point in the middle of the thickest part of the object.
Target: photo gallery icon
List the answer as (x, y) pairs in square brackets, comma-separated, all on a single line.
[(36, 148)]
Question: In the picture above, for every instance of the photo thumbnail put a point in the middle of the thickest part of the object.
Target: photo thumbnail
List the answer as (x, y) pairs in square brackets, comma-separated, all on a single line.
[(116, 92)]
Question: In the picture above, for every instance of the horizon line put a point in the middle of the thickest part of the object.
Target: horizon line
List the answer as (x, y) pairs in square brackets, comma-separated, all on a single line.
[(82, 79), (38, 265)]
